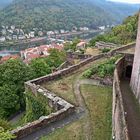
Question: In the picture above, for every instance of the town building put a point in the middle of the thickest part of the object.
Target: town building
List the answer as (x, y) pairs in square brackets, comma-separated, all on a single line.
[(8, 57), (40, 51), (81, 45), (2, 39)]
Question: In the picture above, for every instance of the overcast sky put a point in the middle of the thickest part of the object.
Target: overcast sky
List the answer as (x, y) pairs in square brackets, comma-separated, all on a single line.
[(127, 1)]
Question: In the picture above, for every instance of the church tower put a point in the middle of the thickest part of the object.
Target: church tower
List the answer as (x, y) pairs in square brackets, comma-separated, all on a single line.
[(135, 77)]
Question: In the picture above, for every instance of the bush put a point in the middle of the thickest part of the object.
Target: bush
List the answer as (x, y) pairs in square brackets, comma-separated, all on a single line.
[(88, 73), (105, 50), (102, 70), (4, 124), (36, 106)]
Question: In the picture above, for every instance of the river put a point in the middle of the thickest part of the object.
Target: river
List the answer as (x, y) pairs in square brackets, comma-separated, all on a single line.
[(15, 49)]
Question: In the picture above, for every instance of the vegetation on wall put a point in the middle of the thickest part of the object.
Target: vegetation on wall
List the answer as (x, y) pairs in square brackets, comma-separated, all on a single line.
[(36, 106), (121, 34)]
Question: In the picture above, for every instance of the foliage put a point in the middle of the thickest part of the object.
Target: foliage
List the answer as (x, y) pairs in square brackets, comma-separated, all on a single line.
[(4, 124), (121, 34), (5, 135), (36, 106), (13, 74), (102, 70), (56, 58), (105, 50), (62, 14), (40, 67), (72, 45)]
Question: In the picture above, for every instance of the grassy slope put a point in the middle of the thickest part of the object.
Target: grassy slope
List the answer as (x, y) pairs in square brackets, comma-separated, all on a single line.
[(99, 102), (64, 86)]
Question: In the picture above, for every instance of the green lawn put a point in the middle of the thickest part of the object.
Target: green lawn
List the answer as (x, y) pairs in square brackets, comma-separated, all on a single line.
[(99, 103), (63, 87)]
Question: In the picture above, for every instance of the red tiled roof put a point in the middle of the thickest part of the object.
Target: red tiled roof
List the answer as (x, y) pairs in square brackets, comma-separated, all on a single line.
[(5, 58)]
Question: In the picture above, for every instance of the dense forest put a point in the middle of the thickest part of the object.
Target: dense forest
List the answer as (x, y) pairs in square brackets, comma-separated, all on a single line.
[(121, 34), (63, 14)]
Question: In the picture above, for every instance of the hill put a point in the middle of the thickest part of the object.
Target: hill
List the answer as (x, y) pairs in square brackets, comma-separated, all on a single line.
[(122, 34), (63, 14)]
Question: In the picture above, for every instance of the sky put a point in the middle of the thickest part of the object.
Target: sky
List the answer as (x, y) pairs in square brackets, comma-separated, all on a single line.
[(127, 1)]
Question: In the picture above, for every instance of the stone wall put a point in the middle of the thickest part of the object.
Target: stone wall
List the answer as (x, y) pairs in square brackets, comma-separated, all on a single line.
[(64, 72), (63, 108), (103, 45), (135, 79), (119, 126), (78, 56), (122, 48)]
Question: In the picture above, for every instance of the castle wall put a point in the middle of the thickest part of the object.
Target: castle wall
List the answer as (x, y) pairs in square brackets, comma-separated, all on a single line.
[(135, 78), (119, 126), (63, 108)]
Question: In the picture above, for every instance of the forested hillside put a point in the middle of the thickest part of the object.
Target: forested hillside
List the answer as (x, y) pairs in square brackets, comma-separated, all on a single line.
[(63, 14), (121, 34)]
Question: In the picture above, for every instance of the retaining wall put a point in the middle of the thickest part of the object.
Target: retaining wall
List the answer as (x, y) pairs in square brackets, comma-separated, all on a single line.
[(119, 126), (78, 56), (63, 108), (125, 47)]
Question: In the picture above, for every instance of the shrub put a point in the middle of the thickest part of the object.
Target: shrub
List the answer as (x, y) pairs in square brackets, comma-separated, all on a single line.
[(105, 50), (88, 73), (102, 70)]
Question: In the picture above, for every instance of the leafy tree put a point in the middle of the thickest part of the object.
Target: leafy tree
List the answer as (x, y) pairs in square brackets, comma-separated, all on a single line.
[(40, 67), (13, 74), (56, 58), (9, 99)]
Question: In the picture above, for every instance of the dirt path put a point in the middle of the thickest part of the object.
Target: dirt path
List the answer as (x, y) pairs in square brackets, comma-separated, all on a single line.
[(82, 104), (132, 110)]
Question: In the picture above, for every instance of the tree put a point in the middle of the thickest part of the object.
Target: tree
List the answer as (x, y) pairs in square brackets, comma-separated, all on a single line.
[(56, 58), (9, 101), (40, 67), (13, 74)]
